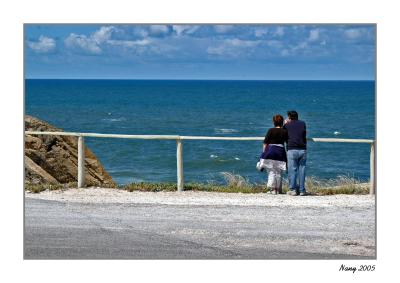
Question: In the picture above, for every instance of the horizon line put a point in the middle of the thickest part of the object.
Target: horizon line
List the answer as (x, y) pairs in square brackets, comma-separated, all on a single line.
[(170, 79)]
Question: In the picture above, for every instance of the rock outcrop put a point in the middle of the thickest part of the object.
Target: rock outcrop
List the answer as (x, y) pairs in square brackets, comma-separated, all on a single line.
[(54, 159)]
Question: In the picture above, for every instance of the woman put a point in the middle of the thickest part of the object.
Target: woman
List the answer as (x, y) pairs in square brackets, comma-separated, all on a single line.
[(273, 157)]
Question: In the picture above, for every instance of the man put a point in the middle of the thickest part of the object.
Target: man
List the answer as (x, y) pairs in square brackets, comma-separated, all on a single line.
[(296, 154)]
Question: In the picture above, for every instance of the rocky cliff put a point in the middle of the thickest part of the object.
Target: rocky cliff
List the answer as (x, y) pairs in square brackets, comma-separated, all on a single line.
[(54, 159)]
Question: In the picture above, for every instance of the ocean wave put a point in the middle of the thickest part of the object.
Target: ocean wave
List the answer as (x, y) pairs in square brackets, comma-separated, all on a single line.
[(336, 133), (222, 159), (114, 119), (137, 180), (225, 131)]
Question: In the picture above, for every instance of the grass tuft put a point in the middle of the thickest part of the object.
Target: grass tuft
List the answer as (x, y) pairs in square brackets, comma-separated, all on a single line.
[(234, 184), (234, 180), (40, 187), (37, 188), (238, 184), (150, 187)]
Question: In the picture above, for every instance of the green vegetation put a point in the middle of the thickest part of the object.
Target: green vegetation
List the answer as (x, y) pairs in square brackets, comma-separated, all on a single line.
[(150, 187), (340, 185), (171, 187), (234, 184), (37, 188), (238, 184)]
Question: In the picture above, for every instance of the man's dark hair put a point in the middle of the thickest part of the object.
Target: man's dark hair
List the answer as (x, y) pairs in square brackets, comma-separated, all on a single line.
[(293, 115)]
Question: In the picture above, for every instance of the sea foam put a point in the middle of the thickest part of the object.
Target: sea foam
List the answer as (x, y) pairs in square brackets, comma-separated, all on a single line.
[(114, 119), (225, 131)]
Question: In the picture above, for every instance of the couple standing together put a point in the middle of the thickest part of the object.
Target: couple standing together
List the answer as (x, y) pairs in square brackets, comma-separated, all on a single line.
[(275, 160)]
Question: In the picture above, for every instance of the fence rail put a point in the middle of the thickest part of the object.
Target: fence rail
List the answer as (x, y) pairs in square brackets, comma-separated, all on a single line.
[(179, 149)]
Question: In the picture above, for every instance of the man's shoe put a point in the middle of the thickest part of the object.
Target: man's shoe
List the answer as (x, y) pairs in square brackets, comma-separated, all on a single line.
[(303, 194), (291, 193)]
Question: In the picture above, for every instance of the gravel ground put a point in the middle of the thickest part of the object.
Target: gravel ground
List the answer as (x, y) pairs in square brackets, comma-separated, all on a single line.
[(114, 224), (100, 195)]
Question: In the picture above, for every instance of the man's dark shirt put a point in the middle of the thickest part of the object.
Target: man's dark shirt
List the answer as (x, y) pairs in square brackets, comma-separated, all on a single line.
[(296, 134)]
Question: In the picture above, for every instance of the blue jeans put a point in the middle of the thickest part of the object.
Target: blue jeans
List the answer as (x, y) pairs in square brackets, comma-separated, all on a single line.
[(297, 169)]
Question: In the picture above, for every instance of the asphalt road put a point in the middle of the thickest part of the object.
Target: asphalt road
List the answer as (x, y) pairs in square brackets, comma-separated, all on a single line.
[(65, 230)]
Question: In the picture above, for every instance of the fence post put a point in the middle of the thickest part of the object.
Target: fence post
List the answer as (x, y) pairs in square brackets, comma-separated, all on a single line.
[(179, 165), (372, 188), (81, 162)]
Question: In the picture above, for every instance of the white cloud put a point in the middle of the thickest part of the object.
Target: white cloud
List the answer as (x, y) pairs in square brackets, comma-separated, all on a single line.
[(280, 31), (304, 48), (353, 33), (274, 43), (233, 47), (314, 35), (223, 28), (219, 50), (159, 29), (184, 29), (82, 43), (285, 52), (103, 34), (90, 44), (260, 32), (295, 50), (103, 37), (301, 45), (129, 43), (140, 31), (241, 43), (43, 45)]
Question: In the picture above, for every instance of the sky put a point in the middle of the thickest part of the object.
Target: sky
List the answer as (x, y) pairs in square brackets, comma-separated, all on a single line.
[(220, 52)]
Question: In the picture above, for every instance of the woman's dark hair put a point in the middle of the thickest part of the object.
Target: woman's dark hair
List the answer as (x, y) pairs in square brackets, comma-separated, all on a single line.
[(293, 115), (278, 120)]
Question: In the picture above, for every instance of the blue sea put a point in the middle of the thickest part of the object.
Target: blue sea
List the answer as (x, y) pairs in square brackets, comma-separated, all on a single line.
[(331, 109)]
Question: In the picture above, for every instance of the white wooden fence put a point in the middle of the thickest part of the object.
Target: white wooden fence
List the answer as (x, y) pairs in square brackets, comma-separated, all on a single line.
[(179, 149)]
